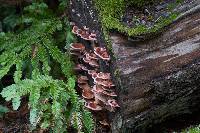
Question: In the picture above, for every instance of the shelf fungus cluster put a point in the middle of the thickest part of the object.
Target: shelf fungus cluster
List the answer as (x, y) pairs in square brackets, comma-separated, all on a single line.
[(84, 33), (96, 87)]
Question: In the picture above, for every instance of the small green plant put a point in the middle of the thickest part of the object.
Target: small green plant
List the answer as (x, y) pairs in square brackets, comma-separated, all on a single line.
[(3, 110), (42, 71)]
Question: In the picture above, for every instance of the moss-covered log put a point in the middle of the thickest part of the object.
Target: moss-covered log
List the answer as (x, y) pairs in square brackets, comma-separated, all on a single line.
[(157, 79)]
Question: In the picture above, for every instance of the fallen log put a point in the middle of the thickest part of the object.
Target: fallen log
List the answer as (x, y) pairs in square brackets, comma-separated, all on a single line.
[(159, 79)]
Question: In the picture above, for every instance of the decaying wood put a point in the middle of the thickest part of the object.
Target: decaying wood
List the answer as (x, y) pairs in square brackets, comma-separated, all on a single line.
[(157, 79)]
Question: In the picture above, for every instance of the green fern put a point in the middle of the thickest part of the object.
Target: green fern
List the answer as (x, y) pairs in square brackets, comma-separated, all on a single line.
[(35, 51)]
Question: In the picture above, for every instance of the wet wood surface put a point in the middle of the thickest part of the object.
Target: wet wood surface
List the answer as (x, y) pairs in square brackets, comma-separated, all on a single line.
[(158, 78)]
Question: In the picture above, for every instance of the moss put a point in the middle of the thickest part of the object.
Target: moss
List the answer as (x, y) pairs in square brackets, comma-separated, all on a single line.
[(111, 10)]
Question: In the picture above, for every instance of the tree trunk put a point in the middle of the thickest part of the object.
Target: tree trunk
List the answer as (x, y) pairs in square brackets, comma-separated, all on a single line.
[(158, 80)]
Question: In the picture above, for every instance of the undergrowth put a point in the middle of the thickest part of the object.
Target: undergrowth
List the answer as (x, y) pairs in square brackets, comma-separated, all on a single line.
[(193, 129), (110, 12), (42, 71)]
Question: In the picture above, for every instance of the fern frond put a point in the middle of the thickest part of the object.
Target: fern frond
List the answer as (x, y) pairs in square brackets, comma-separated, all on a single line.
[(18, 72), (33, 50), (88, 121), (66, 64), (44, 58)]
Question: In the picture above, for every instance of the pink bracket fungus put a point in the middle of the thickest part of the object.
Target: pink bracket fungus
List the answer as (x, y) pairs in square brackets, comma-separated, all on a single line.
[(113, 103), (87, 94), (102, 75), (91, 62), (100, 89), (79, 32), (105, 83), (112, 94), (83, 77), (77, 47), (102, 53), (93, 34), (91, 56), (92, 38), (93, 106), (101, 97), (75, 29), (85, 35), (90, 72), (80, 81), (80, 67), (94, 76), (84, 68), (85, 28), (83, 86), (86, 60), (105, 56), (97, 89), (104, 123), (75, 53)]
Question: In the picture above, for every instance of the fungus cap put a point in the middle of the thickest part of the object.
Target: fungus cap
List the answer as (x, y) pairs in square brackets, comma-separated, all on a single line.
[(91, 56), (105, 83), (104, 123), (112, 94), (81, 81), (83, 86), (75, 29), (93, 106), (97, 89), (77, 46), (102, 53), (86, 60), (83, 77), (87, 94), (113, 103), (85, 28), (90, 72), (102, 75)]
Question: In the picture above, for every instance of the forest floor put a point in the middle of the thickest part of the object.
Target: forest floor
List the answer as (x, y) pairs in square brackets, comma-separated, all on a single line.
[(14, 121)]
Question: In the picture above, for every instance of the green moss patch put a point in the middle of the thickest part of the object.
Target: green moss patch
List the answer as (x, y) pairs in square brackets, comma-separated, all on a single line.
[(111, 12)]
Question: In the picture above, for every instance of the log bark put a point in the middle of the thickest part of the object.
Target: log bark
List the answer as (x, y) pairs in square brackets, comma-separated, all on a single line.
[(158, 80)]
